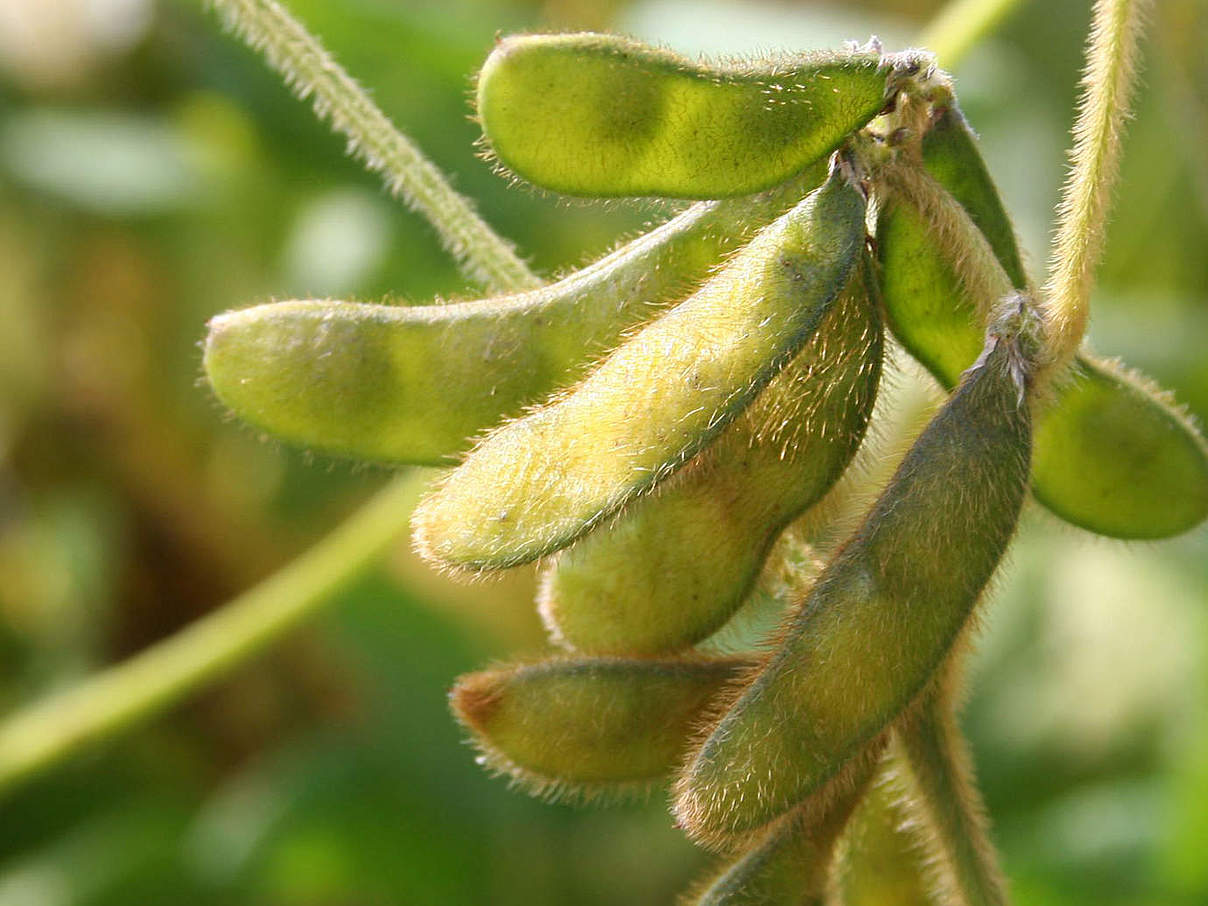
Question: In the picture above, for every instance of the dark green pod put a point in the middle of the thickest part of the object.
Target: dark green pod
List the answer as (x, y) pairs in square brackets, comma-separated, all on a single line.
[(672, 571), (791, 865), (416, 384), (1112, 455), (882, 616), (588, 727), (537, 483), (601, 115)]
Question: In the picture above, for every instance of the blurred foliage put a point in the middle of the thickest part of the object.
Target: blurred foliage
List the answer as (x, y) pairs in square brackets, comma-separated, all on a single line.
[(154, 173)]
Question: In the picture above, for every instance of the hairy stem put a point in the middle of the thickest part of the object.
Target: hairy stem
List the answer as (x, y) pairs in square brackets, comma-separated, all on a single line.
[(166, 672), (960, 25), (1107, 84), (311, 71), (944, 801)]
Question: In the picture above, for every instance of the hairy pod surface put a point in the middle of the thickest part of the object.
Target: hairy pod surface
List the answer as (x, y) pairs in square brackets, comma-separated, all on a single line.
[(537, 483), (879, 862), (670, 572), (791, 864), (588, 727), (882, 616), (416, 384), (1111, 454), (601, 115)]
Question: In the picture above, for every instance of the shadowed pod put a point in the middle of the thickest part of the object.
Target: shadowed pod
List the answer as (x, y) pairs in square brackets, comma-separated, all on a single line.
[(791, 864), (668, 573), (878, 861), (1112, 454), (589, 727), (601, 115), (417, 384), (884, 613), (537, 483)]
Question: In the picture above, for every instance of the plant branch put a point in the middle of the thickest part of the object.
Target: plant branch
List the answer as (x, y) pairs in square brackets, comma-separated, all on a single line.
[(1108, 82), (119, 696), (313, 73), (943, 799)]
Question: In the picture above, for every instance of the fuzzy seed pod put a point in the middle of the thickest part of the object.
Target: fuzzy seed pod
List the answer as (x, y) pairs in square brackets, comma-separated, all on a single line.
[(537, 483), (670, 572), (1113, 455), (601, 115), (416, 384), (883, 615), (588, 727)]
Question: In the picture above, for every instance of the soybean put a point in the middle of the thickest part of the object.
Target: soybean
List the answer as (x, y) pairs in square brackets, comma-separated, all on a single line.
[(416, 384), (881, 617), (791, 865), (536, 484), (878, 860), (601, 115), (670, 572), (1113, 455), (589, 727)]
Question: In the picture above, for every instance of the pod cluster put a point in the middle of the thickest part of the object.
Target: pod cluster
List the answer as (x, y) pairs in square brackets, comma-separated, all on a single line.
[(649, 427)]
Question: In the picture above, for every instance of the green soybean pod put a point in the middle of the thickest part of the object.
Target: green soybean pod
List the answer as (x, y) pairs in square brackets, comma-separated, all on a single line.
[(537, 483), (881, 617), (1116, 456), (601, 115), (791, 864), (670, 572), (1112, 455), (926, 307), (415, 384), (878, 861), (589, 727)]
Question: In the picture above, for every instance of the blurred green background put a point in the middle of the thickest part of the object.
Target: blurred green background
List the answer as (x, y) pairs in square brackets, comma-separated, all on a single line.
[(153, 173)]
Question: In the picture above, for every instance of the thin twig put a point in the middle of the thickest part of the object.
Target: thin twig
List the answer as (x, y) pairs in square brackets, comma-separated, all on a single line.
[(313, 73), (1082, 215)]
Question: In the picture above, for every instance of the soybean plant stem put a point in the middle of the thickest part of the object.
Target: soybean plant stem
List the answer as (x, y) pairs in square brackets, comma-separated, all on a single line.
[(944, 801), (166, 672), (312, 72), (1107, 84)]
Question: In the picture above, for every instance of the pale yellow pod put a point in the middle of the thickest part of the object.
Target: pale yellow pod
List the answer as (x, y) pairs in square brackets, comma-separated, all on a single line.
[(668, 573), (537, 483)]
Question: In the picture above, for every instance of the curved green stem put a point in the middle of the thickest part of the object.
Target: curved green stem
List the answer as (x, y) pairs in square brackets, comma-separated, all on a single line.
[(960, 25), (1107, 91), (312, 72), (945, 803), (166, 672)]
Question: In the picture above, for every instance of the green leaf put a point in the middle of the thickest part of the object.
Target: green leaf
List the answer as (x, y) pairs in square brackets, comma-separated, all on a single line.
[(593, 114), (416, 384), (537, 483), (880, 619), (670, 572), (589, 727)]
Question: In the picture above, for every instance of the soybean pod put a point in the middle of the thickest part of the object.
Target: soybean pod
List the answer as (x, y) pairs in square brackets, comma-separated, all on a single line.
[(881, 617), (601, 115), (404, 384), (536, 484), (1113, 454), (668, 573), (589, 727), (791, 864)]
